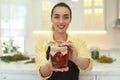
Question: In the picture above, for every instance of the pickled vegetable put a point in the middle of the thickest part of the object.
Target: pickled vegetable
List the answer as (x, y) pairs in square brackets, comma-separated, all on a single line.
[(105, 59)]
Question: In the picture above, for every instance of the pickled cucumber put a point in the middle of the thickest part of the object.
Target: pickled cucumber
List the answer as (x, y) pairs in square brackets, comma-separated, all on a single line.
[(105, 59)]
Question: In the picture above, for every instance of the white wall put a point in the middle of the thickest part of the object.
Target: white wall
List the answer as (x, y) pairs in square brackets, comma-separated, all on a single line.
[(104, 41), (110, 13)]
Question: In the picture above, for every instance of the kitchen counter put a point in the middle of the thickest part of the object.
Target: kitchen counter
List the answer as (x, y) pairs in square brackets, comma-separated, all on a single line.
[(107, 67), (8, 71), (115, 66), (104, 71), (17, 66), (97, 67), (101, 68), (18, 71)]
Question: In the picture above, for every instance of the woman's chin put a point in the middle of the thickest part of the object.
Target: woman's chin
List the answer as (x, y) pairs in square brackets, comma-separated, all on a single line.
[(61, 31)]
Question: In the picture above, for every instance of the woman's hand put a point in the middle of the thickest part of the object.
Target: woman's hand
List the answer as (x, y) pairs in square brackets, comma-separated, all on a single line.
[(72, 55), (71, 49), (47, 69), (57, 69), (60, 69)]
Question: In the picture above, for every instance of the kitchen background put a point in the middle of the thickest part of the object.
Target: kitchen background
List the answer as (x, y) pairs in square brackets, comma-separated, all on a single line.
[(23, 22), (20, 19)]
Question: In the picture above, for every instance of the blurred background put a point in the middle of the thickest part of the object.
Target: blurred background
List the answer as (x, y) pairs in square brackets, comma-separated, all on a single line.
[(22, 22)]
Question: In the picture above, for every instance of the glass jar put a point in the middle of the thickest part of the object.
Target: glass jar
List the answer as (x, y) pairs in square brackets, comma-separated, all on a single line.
[(59, 56), (95, 53)]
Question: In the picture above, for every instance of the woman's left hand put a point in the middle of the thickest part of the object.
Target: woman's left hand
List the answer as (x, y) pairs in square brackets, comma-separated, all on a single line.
[(72, 50)]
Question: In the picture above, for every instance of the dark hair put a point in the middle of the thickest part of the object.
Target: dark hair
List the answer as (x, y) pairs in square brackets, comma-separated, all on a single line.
[(62, 4)]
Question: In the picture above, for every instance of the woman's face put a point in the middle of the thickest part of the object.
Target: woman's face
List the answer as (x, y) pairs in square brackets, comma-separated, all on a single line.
[(60, 19)]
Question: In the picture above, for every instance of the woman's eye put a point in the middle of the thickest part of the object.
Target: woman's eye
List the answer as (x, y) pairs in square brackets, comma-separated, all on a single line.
[(66, 17), (56, 17)]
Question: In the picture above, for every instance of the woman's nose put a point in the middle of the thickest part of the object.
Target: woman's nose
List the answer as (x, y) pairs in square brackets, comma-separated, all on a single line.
[(61, 20)]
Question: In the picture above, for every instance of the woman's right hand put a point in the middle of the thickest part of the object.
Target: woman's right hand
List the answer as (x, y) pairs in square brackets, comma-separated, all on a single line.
[(57, 69)]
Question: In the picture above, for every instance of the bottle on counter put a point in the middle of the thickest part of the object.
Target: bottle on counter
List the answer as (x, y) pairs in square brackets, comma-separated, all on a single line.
[(94, 53)]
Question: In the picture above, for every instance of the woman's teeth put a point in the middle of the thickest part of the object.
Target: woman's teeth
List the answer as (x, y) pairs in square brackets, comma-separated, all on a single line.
[(61, 27)]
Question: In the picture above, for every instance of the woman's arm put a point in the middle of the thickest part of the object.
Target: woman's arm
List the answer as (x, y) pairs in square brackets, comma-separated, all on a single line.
[(83, 63), (83, 59), (42, 64), (79, 55), (45, 70)]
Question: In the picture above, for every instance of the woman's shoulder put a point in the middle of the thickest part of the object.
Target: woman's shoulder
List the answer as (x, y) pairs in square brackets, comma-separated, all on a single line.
[(44, 38)]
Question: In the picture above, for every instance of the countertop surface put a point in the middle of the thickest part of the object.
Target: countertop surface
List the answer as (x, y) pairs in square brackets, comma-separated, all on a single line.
[(97, 67)]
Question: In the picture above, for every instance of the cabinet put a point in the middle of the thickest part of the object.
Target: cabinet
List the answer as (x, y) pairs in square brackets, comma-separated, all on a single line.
[(1, 76), (18, 71), (109, 76), (19, 76), (100, 76), (87, 77)]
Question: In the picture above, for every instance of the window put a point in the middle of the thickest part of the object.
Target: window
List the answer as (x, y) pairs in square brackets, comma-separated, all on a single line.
[(94, 14), (46, 9), (12, 22)]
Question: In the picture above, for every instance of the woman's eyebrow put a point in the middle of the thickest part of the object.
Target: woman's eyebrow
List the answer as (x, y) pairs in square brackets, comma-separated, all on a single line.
[(63, 15), (56, 14), (66, 14)]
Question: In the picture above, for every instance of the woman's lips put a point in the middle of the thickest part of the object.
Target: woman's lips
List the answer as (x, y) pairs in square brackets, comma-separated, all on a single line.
[(61, 27)]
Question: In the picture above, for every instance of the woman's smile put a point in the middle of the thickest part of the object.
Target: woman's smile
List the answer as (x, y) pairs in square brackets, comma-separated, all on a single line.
[(61, 26)]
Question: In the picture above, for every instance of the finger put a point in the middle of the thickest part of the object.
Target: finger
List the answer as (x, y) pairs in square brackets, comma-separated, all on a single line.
[(50, 64), (61, 69), (58, 70), (64, 44), (66, 69)]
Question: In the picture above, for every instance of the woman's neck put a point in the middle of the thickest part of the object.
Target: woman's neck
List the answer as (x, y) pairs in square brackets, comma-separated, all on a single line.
[(59, 36)]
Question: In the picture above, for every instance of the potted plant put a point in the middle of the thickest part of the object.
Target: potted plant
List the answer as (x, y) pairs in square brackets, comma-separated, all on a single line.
[(8, 47)]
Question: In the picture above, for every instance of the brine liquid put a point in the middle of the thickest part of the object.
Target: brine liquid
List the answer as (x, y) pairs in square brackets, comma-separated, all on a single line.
[(59, 60)]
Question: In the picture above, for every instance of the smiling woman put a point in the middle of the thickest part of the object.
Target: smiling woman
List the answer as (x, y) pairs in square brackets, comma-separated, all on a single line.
[(78, 58)]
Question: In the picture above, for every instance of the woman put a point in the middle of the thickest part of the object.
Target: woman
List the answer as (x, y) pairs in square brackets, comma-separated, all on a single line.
[(79, 59)]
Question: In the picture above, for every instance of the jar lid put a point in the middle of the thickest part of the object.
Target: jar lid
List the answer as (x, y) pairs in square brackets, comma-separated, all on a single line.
[(55, 49)]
